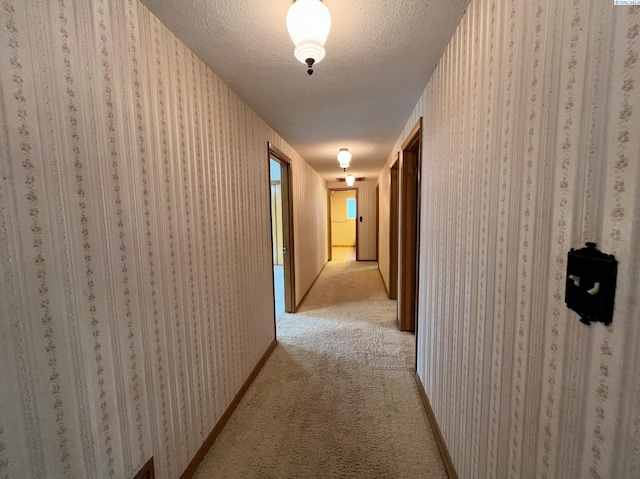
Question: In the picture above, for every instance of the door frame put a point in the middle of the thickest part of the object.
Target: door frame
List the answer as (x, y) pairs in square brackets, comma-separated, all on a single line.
[(393, 228), (287, 226), (329, 190), (377, 220), (409, 229), (274, 235)]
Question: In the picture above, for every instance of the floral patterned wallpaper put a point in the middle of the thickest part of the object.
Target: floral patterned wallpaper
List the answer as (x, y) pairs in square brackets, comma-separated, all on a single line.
[(531, 147), (134, 219)]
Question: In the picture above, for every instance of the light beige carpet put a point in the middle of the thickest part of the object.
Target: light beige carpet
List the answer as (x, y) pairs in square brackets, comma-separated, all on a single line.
[(343, 253), (337, 398)]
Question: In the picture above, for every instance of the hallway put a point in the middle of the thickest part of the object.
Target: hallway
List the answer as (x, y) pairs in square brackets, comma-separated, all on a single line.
[(337, 397)]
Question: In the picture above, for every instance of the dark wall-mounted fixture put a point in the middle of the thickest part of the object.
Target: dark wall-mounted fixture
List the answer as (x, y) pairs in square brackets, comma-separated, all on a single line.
[(591, 284)]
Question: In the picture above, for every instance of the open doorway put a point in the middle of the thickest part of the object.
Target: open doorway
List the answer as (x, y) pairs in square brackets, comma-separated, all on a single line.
[(281, 231), (343, 229)]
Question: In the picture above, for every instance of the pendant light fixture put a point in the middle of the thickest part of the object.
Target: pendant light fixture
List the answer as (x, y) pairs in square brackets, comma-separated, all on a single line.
[(350, 180), (344, 158), (309, 22)]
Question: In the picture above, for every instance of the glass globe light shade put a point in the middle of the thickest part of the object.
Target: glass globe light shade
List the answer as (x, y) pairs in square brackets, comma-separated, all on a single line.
[(344, 157), (309, 22), (350, 179)]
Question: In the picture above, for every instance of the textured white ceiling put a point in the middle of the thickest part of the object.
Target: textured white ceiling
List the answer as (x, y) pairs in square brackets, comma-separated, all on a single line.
[(379, 57)]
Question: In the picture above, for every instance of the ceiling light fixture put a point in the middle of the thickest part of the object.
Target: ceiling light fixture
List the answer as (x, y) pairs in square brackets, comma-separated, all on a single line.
[(309, 22), (350, 179), (344, 158)]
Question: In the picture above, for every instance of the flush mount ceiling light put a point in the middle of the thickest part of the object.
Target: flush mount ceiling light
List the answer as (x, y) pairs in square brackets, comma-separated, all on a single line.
[(309, 22), (350, 179), (344, 158)]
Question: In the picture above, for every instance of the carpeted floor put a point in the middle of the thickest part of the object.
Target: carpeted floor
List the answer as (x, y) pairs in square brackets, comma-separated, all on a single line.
[(337, 398), (343, 253)]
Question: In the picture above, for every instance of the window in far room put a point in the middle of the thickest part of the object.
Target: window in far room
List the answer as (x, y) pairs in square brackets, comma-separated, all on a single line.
[(351, 208)]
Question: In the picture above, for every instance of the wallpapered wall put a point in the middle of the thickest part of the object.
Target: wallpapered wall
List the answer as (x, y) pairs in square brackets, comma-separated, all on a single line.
[(309, 222), (134, 217), (531, 147), (366, 209)]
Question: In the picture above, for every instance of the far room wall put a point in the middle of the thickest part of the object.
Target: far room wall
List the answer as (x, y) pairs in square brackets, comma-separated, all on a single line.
[(343, 229), (366, 211)]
